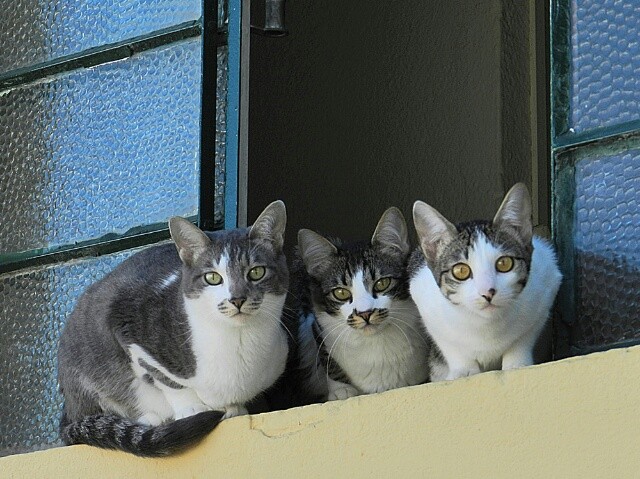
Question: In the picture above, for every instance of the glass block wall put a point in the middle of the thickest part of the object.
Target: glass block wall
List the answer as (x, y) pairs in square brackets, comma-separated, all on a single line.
[(101, 108), (596, 153)]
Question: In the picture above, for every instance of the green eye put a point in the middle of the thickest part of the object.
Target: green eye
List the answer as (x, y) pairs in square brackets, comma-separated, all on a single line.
[(461, 271), (257, 273), (504, 264), (381, 285), (214, 279), (341, 294)]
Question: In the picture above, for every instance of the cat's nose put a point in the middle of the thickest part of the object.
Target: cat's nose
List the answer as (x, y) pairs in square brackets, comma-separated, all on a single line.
[(489, 295), (364, 314), (237, 302)]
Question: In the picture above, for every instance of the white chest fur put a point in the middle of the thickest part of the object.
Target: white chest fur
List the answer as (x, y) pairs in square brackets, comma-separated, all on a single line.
[(234, 361)]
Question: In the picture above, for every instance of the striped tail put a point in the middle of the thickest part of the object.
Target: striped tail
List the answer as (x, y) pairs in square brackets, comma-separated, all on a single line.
[(115, 432)]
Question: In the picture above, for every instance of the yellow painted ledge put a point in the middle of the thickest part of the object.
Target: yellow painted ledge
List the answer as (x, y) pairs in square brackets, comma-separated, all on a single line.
[(578, 417)]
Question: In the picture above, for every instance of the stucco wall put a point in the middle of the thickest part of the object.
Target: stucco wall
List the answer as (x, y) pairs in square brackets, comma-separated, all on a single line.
[(573, 418), (371, 104)]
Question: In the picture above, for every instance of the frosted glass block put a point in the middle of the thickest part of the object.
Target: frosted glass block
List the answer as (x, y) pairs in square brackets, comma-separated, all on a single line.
[(221, 132), (605, 63), (35, 306), (607, 258), (100, 151), (34, 31)]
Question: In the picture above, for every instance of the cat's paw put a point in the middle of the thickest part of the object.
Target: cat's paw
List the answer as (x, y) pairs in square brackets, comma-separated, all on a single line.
[(506, 365), (515, 360), (461, 373), (234, 410), (343, 392), (190, 411), (150, 419)]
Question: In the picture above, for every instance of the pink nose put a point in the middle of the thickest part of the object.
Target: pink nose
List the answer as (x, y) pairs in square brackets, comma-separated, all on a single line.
[(363, 314), (237, 302), (489, 295)]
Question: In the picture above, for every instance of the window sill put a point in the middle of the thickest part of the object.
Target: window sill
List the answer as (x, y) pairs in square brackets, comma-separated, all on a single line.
[(573, 418)]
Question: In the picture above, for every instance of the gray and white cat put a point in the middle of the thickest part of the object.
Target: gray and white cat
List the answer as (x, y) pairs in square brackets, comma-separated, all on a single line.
[(484, 288), (176, 338), (360, 331)]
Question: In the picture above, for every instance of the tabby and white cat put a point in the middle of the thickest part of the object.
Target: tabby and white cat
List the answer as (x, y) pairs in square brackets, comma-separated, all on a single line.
[(484, 288), (159, 351), (360, 331)]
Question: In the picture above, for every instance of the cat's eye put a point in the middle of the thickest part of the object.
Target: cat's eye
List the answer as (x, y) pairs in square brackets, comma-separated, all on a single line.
[(504, 264), (461, 271), (341, 294), (257, 273), (213, 278), (381, 285)]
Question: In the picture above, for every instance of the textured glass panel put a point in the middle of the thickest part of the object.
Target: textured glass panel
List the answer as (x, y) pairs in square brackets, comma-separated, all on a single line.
[(100, 151), (34, 31), (606, 269), (223, 14), (221, 131), (35, 305), (605, 63)]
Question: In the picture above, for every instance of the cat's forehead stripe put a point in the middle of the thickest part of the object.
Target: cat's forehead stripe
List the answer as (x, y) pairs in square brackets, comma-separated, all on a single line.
[(223, 261), (358, 284)]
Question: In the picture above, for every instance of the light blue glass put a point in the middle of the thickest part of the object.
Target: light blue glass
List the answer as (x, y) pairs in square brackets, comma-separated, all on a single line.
[(35, 31), (604, 64), (101, 151), (598, 228), (35, 305)]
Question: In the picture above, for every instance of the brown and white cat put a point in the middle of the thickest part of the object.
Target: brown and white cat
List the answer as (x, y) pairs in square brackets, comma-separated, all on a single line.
[(484, 288)]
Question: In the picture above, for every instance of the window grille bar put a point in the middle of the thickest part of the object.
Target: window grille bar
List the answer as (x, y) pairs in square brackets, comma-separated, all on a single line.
[(91, 250), (106, 53), (210, 42)]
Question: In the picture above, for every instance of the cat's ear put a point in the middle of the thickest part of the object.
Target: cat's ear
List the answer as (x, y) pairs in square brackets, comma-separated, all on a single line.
[(515, 212), (434, 230), (270, 225), (190, 241), (391, 234), (314, 250)]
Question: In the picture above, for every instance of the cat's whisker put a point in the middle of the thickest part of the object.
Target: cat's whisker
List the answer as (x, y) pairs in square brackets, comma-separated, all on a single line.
[(329, 354), (293, 295), (416, 331), (405, 336), (326, 336), (317, 360), (273, 317)]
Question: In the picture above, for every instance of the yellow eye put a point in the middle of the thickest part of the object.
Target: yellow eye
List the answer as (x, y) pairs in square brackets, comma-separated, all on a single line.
[(381, 285), (461, 271), (214, 279), (257, 273), (341, 294), (504, 264)]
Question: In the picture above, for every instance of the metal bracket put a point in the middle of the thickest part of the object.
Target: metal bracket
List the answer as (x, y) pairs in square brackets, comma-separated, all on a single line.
[(273, 20)]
